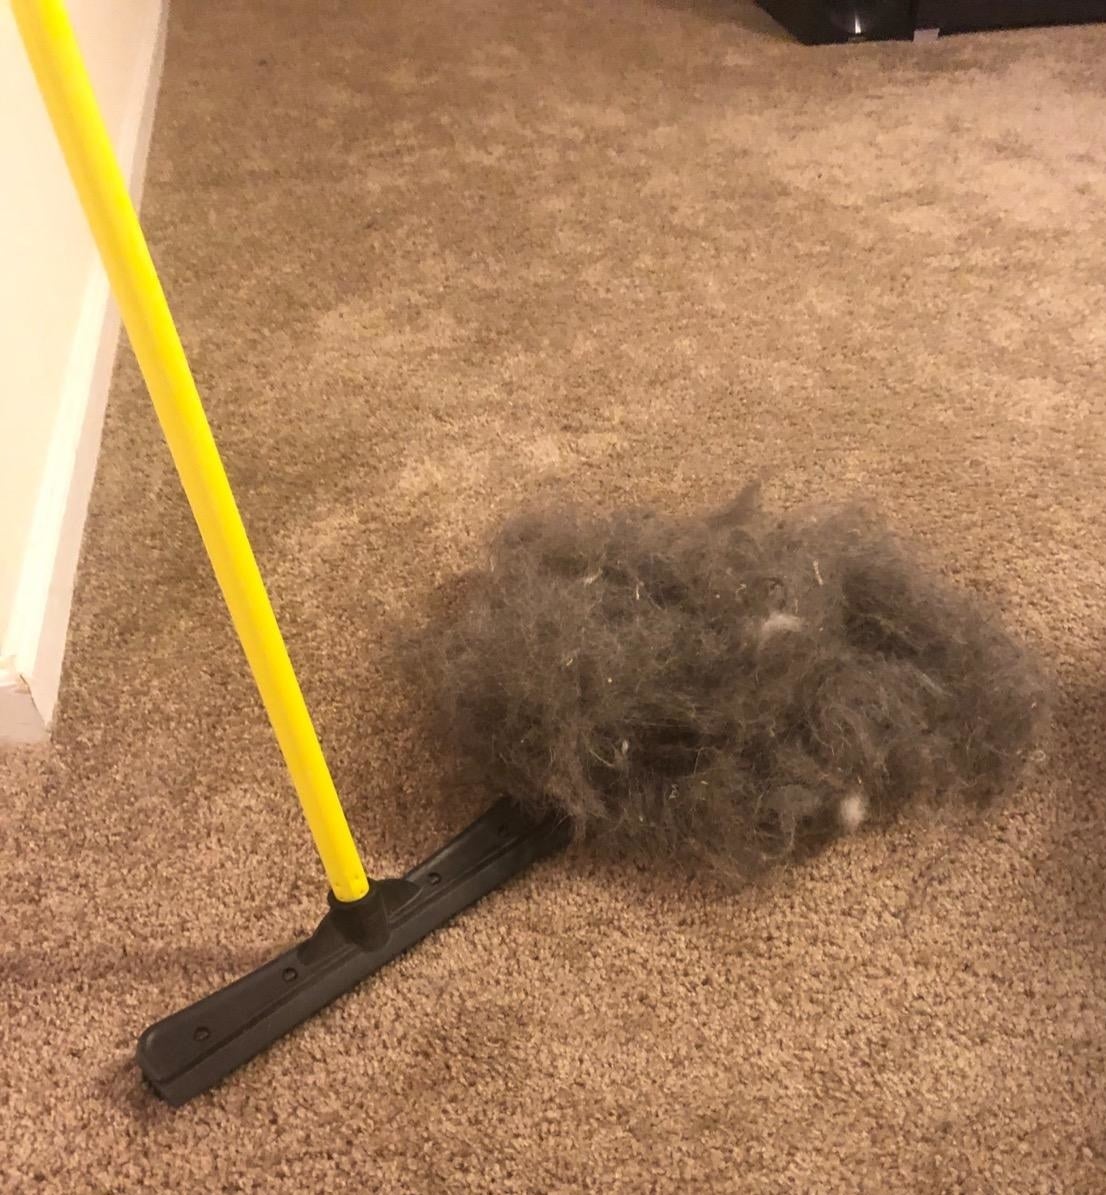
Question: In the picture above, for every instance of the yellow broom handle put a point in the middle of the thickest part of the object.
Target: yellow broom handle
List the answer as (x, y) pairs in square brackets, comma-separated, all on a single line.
[(57, 63)]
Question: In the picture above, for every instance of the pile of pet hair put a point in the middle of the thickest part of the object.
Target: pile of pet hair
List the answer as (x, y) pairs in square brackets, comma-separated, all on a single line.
[(735, 684)]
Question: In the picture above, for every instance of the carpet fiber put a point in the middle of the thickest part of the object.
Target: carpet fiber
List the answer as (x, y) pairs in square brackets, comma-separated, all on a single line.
[(429, 260)]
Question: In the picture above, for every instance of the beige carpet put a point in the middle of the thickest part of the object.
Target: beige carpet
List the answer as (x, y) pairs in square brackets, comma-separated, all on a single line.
[(427, 259)]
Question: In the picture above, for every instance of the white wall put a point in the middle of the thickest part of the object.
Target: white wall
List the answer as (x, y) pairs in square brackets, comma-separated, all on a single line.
[(58, 333)]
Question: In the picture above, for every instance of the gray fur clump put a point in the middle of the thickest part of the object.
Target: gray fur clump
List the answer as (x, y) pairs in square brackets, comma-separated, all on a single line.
[(734, 685)]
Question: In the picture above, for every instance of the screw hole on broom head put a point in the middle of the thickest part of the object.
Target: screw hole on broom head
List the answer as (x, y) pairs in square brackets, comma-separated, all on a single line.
[(290, 973), (202, 1033), (434, 878)]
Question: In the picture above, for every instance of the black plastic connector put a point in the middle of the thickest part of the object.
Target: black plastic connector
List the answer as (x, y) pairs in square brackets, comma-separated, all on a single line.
[(194, 1049)]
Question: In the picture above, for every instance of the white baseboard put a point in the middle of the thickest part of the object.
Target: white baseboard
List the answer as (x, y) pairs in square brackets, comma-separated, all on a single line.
[(32, 646), (20, 720)]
